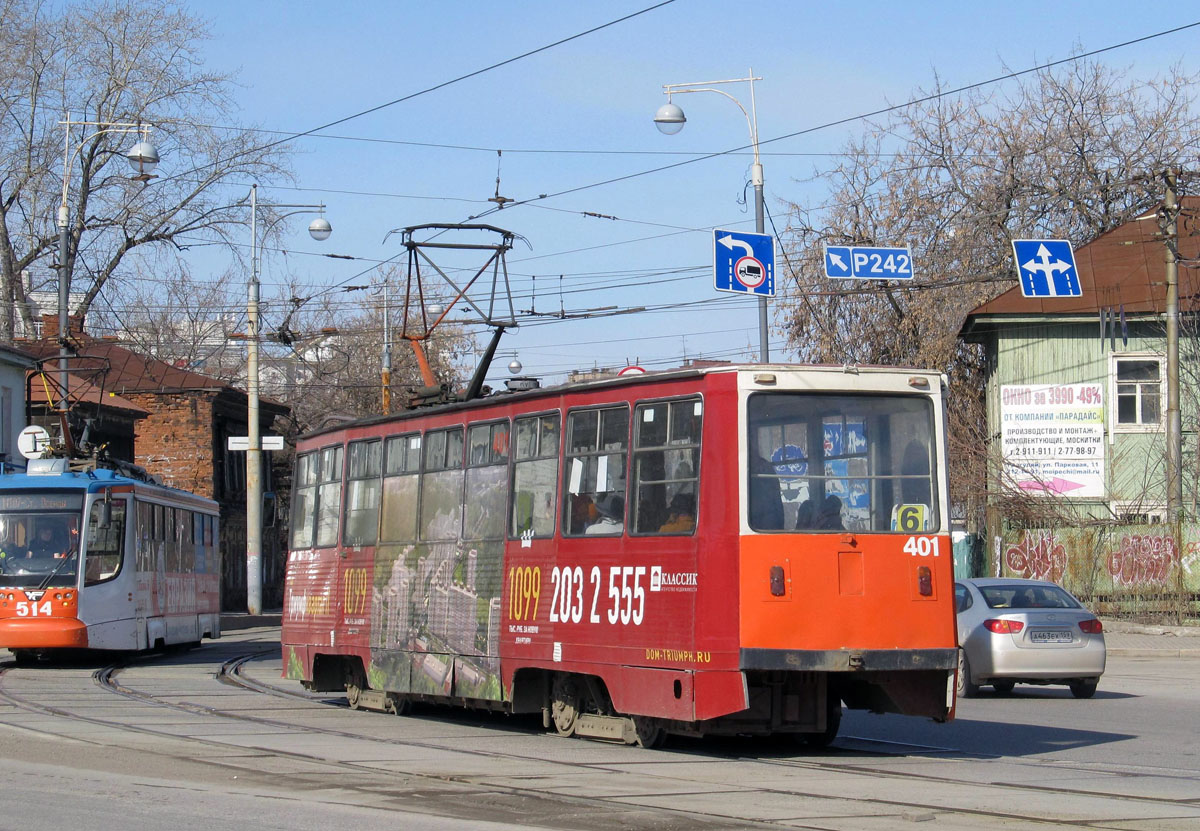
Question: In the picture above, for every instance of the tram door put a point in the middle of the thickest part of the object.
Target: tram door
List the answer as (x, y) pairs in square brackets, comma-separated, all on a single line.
[(106, 599)]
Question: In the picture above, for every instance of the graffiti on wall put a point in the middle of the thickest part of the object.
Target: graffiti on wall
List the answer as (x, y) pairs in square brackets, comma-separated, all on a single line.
[(1038, 556), (1142, 559), (1146, 559)]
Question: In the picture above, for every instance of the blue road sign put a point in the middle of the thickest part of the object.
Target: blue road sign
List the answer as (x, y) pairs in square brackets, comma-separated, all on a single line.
[(744, 262), (862, 263), (1046, 268)]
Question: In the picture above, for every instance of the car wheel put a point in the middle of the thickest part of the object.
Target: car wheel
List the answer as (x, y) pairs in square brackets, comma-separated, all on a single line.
[(1085, 688), (966, 687), (1003, 687)]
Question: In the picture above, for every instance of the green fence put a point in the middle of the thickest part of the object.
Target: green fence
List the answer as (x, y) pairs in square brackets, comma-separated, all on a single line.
[(1139, 571)]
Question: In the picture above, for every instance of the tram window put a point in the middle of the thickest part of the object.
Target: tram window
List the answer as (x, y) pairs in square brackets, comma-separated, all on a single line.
[(595, 471), (362, 492), (441, 485), (145, 536), (535, 475), (830, 462), (487, 481), (102, 560), (304, 500), (402, 464), (666, 466), (170, 542), (329, 496), (187, 548)]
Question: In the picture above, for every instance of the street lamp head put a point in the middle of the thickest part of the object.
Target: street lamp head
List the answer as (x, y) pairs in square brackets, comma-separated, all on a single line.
[(669, 119), (143, 158), (320, 229)]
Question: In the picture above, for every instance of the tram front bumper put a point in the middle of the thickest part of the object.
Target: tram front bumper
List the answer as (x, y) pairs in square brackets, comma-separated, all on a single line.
[(43, 633)]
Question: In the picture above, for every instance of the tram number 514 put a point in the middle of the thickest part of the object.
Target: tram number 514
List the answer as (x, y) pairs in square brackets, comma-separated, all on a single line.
[(28, 608)]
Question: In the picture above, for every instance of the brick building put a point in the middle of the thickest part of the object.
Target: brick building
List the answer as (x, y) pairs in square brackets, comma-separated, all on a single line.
[(176, 424)]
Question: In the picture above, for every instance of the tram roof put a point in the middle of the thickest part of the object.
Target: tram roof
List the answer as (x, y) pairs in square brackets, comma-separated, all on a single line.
[(91, 480), (502, 397)]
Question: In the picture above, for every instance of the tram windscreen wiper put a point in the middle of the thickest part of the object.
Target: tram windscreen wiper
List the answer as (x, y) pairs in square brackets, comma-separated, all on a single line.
[(54, 573)]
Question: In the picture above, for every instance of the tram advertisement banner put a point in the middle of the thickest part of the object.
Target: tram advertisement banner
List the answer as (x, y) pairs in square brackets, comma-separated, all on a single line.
[(1052, 438)]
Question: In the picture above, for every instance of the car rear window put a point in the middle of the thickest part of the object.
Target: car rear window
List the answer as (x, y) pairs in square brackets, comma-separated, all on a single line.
[(1027, 597)]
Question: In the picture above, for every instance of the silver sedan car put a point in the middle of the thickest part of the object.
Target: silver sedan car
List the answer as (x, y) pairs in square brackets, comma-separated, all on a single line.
[(1013, 631)]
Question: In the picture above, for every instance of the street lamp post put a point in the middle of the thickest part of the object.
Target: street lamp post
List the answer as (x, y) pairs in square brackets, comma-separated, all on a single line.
[(319, 229), (670, 120), (143, 157)]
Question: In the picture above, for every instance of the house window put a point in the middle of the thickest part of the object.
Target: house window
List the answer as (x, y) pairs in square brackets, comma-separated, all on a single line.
[(1139, 513), (1139, 395)]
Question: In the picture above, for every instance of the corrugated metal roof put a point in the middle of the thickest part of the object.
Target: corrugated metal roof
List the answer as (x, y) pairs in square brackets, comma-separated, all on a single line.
[(1124, 267)]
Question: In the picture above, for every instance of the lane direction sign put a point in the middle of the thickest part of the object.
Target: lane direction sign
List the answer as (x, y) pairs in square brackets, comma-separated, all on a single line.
[(1046, 268), (859, 262), (744, 262)]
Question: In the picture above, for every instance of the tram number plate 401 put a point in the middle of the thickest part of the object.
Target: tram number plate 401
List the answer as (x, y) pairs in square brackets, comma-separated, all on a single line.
[(1050, 636)]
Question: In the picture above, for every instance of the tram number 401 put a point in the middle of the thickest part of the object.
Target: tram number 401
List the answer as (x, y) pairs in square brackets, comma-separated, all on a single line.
[(922, 547)]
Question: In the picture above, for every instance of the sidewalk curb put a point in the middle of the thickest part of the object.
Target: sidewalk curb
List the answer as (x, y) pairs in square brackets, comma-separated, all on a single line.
[(1136, 652)]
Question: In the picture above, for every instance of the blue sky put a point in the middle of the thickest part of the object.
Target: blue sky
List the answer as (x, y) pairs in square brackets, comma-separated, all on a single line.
[(581, 113)]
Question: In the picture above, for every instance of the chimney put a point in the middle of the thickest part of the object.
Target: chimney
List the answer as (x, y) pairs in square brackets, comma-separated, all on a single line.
[(50, 326)]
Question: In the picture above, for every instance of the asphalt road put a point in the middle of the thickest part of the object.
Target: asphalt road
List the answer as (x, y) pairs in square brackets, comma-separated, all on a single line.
[(179, 749)]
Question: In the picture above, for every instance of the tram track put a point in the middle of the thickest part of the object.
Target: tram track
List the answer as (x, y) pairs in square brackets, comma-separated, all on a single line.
[(20, 690)]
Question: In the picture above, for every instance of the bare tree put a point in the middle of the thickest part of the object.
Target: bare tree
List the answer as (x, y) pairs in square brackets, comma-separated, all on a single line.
[(1069, 153), (163, 311), (117, 61)]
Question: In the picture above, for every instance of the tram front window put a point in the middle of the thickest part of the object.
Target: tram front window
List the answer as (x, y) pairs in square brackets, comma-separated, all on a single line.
[(39, 548), (823, 463)]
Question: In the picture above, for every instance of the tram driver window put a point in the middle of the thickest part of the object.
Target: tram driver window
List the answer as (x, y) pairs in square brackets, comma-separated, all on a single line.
[(105, 542), (597, 444)]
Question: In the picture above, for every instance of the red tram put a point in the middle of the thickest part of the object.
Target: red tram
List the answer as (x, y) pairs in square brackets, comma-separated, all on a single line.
[(739, 549)]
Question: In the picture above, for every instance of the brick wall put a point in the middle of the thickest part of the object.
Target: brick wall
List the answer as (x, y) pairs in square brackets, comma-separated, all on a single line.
[(175, 443)]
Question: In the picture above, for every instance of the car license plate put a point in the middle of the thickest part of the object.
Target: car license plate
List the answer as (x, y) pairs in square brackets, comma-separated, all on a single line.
[(1050, 636)]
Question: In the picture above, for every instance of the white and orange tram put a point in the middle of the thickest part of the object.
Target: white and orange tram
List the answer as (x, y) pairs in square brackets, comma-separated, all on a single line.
[(94, 558)]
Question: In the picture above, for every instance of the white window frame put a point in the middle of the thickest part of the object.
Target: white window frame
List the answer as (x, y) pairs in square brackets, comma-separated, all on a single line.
[(1114, 403), (1155, 512)]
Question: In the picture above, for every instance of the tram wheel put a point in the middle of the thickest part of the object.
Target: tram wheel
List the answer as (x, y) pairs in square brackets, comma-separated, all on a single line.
[(353, 695), (833, 722), (398, 704), (565, 705), (649, 732), (25, 657)]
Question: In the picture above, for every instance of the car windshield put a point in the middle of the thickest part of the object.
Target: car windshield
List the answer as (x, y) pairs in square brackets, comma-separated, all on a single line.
[(1027, 597), (39, 547)]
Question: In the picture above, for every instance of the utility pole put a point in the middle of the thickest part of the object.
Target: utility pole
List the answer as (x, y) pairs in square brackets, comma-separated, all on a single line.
[(386, 373), (1174, 426)]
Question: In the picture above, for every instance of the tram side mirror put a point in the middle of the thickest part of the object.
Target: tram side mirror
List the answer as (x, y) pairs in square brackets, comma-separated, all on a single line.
[(106, 510)]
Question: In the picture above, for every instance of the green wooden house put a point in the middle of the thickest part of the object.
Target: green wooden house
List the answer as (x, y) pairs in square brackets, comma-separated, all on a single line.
[(1076, 396)]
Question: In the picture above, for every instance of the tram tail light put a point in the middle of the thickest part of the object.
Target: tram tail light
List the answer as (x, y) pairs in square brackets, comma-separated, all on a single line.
[(925, 581), (778, 586), (1091, 627), (1003, 627)]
